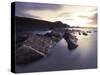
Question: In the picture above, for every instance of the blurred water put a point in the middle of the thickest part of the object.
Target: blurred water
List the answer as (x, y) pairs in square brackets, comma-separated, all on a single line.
[(60, 58)]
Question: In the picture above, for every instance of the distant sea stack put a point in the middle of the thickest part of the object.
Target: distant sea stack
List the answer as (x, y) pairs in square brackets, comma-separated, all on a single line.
[(25, 24)]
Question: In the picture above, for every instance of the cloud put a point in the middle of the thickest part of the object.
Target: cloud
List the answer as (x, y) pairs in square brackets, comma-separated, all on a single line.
[(22, 14), (22, 7), (93, 19), (83, 17), (37, 6), (67, 14)]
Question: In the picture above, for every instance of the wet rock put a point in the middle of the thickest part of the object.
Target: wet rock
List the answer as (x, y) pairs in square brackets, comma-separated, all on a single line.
[(72, 45), (32, 48), (25, 55), (20, 39), (70, 39), (89, 32), (54, 36), (36, 47), (79, 33), (84, 33), (95, 31)]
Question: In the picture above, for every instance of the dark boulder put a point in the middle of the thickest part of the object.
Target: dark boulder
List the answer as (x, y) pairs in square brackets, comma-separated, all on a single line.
[(72, 45), (95, 31), (79, 33), (89, 32), (84, 33)]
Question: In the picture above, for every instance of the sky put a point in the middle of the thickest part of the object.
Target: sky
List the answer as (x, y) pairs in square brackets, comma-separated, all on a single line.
[(74, 15)]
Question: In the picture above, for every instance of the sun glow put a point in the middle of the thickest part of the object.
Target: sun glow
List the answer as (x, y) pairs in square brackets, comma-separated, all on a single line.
[(74, 21), (81, 22)]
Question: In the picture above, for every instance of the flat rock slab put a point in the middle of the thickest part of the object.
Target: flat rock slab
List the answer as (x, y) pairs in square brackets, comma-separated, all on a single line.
[(35, 47)]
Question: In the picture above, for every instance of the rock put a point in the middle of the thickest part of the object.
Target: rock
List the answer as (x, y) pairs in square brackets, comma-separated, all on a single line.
[(79, 33), (36, 47), (32, 48), (72, 45), (25, 55), (88, 31), (55, 36), (20, 39), (70, 39), (95, 31), (84, 33)]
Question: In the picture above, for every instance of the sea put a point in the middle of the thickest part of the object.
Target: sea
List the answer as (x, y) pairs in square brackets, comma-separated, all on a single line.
[(61, 58)]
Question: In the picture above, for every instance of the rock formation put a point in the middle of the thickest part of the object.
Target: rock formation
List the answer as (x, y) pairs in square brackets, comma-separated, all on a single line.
[(70, 39), (36, 47), (31, 47)]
